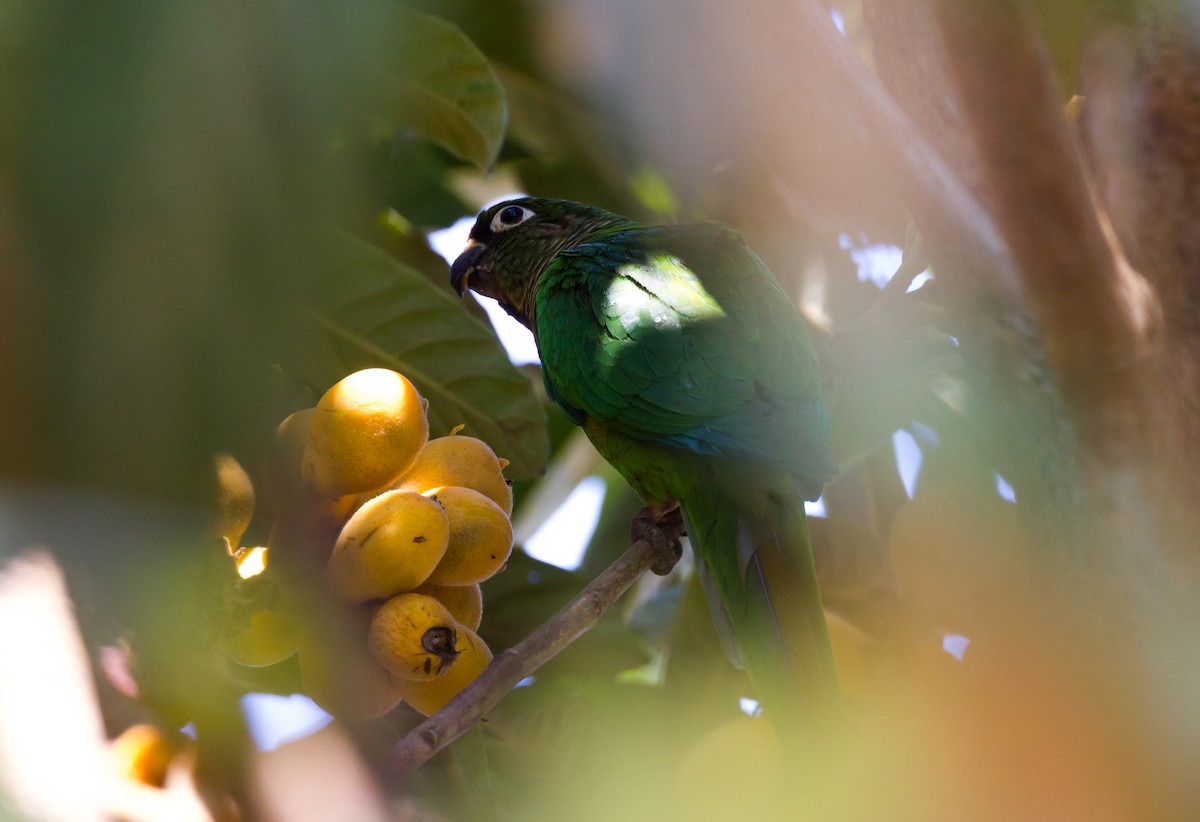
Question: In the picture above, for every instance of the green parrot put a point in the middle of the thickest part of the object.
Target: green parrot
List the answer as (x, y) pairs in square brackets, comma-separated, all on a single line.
[(692, 373)]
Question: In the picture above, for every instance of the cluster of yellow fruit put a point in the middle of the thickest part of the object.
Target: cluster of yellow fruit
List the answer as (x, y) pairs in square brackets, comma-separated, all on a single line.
[(421, 523)]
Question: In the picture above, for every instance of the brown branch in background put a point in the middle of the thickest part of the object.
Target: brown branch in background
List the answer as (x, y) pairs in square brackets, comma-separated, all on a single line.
[(1141, 126), (1122, 385), (927, 184), (1075, 285), (908, 111), (1141, 122), (522, 659)]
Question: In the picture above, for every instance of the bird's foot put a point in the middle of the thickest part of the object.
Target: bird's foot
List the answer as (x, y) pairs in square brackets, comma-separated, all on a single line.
[(662, 528)]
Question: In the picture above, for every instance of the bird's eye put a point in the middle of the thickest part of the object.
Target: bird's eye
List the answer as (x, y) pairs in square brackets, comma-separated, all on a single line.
[(510, 216)]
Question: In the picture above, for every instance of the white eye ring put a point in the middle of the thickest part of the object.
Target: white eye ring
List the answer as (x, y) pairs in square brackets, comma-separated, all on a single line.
[(510, 217)]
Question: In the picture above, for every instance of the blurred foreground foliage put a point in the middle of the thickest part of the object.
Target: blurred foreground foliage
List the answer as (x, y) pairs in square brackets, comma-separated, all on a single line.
[(207, 216)]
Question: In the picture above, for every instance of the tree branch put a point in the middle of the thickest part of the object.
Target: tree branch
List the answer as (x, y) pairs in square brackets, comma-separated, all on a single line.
[(1142, 114), (1084, 299), (522, 659), (1021, 418), (932, 190)]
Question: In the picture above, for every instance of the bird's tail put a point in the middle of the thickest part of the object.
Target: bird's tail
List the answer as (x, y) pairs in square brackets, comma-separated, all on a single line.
[(755, 559)]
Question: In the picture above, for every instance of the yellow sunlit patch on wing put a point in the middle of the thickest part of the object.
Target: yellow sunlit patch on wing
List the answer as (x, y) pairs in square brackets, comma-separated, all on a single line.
[(665, 279)]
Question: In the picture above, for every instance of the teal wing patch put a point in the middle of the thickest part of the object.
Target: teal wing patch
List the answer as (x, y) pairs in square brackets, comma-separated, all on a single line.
[(680, 335)]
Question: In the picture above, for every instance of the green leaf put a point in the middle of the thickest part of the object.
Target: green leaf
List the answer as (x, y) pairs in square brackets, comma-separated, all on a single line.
[(574, 152), (377, 311), (439, 84)]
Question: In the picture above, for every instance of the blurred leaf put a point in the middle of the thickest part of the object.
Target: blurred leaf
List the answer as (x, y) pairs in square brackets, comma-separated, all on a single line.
[(886, 364), (587, 751), (1064, 26), (1062, 29), (699, 677), (408, 173), (611, 647), (541, 119), (376, 311), (653, 191), (522, 597), (655, 617), (574, 153), (465, 783), (440, 85), (410, 246), (189, 178), (506, 32)]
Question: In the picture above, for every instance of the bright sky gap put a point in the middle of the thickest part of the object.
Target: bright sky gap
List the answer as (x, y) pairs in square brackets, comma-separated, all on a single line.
[(516, 338), (564, 536)]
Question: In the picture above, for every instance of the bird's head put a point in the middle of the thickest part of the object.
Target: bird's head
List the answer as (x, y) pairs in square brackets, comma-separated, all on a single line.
[(512, 242)]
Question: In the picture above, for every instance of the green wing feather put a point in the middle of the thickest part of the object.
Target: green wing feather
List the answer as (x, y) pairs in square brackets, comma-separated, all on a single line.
[(688, 341)]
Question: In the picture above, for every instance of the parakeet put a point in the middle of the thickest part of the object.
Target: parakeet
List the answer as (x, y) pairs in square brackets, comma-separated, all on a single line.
[(692, 373)]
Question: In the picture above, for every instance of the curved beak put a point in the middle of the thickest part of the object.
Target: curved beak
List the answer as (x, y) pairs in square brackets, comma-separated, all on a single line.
[(464, 265)]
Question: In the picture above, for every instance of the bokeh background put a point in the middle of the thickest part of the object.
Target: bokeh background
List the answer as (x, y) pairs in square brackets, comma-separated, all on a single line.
[(987, 211)]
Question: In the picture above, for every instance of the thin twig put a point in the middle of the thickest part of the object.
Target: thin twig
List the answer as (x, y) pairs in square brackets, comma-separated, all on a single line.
[(522, 659)]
